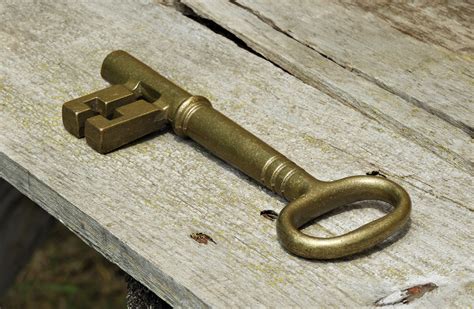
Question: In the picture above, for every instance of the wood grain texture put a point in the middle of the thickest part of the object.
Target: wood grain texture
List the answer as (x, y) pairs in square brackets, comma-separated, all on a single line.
[(447, 142), (23, 226), (138, 205), (424, 75), (449, 24)]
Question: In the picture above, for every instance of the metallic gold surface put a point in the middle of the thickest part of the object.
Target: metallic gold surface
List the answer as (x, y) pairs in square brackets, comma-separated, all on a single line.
[(142, 101)]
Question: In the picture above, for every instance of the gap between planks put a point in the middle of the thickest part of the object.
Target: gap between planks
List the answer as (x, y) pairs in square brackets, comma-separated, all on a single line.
[(438, 143)]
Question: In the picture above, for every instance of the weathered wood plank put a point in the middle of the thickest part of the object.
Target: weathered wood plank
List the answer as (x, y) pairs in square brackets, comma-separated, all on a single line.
[(138, 205), (23, 226), (445, 23), (425, 75), (453, 145)]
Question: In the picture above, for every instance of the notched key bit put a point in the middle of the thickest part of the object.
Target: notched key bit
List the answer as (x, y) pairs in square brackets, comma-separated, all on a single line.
[(129, 123), (103, 102), (113, 117), (141, 101)]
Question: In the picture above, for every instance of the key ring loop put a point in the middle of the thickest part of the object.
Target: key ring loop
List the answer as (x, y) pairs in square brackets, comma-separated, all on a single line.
[(324, 197)]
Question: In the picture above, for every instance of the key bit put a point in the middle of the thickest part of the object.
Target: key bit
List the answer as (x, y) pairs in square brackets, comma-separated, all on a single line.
[(103, 102)]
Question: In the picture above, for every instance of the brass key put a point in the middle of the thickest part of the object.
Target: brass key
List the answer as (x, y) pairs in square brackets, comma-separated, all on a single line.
[(141, 101)]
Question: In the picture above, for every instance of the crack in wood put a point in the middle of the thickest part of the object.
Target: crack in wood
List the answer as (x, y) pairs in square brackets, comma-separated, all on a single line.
[(410, 99), (347, 99)]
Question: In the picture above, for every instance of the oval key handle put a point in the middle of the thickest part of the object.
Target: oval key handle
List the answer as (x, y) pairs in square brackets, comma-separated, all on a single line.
[(141, 101), (326, 196)]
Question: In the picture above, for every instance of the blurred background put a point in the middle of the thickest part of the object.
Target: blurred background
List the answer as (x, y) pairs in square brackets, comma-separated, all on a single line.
[(63, 271)]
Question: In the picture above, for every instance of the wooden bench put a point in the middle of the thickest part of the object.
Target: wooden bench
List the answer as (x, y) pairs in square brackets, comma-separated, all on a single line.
[(341, 88)]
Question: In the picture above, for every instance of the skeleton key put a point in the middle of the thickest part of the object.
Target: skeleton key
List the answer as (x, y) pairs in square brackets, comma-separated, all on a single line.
[(141, 101)]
